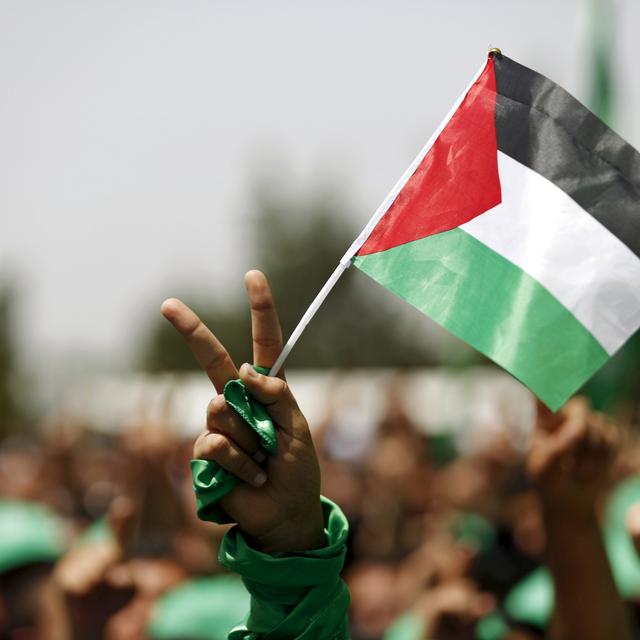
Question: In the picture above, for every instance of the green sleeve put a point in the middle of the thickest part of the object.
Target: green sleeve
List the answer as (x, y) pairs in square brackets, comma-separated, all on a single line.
[(293, 596)]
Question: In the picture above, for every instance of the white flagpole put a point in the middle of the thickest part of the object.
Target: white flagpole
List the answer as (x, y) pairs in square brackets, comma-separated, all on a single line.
[(308, 314), (345, 261)]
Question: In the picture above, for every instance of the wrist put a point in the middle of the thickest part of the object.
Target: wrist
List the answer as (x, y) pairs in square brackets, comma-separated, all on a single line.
[(304, 532), (568, 514)]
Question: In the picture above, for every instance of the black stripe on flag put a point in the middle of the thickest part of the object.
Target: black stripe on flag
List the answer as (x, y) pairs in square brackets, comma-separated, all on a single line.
[(545, 128)]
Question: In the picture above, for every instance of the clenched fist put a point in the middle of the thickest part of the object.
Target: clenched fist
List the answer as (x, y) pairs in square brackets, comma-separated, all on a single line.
[(569, 460)]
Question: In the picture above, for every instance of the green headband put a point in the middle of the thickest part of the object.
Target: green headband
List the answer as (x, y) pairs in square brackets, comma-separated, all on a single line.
[(200, 609), (29, 533)]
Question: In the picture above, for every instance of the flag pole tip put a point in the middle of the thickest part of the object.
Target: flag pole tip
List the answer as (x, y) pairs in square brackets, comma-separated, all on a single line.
[(494, 51)]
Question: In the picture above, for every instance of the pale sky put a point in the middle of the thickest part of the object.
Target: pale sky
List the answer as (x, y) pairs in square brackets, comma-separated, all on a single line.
[(131, 130)]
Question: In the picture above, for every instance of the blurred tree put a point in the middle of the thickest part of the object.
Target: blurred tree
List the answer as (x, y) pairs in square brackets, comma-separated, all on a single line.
[(298, 243), (8, 405), (165, 349), (359, 324)]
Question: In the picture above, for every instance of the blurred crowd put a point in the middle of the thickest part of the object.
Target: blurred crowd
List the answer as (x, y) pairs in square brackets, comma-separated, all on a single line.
[(99, 535)]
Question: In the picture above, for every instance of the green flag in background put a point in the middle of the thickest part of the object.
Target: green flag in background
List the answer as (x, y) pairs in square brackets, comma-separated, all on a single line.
[(602, 23)]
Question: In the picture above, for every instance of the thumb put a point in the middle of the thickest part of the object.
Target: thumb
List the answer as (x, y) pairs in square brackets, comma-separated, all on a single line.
[(275, 395)]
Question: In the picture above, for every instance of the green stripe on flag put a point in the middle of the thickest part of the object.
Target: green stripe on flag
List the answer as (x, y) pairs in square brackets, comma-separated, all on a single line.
[(493, 305)]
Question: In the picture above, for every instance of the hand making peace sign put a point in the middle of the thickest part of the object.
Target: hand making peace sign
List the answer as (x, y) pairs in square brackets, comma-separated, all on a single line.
[(277, 504)]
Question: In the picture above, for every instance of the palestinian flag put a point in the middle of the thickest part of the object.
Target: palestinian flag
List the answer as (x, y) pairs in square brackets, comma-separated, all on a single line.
[(517, 228)]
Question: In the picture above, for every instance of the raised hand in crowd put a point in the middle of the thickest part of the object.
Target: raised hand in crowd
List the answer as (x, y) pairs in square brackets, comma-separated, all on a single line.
[(99, 591), (452, 610), (278, 503), (569, 461)]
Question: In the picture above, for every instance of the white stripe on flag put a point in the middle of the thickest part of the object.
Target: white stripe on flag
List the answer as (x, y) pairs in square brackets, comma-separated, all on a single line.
[(542, 230)]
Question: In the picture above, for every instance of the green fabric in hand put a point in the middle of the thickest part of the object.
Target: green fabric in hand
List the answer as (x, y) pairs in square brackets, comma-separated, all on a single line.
[(210, 481), (294, 596)]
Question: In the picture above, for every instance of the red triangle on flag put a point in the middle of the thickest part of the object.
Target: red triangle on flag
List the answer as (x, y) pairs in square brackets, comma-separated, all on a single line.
[(456, 181)]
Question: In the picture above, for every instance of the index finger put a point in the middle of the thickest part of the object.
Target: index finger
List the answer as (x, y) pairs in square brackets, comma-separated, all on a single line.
[(265, 324), (207, 349)]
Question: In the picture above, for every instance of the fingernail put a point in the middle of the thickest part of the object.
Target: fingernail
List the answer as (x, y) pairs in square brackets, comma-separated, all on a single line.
[(249, 371), (260, 479), (260, 457)]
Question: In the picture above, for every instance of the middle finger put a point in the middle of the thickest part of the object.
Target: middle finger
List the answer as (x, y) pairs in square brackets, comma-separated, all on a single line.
[(265, 325)]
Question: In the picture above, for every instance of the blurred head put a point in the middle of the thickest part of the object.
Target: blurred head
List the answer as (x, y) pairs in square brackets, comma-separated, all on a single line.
[(373, 605)]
